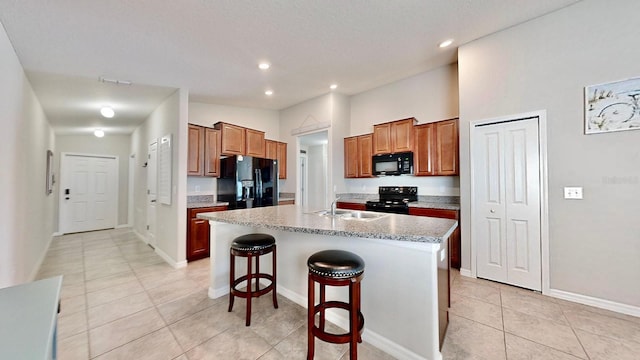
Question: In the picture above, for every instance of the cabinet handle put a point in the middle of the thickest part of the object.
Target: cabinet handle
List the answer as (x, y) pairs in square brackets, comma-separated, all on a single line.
[(200, 222)]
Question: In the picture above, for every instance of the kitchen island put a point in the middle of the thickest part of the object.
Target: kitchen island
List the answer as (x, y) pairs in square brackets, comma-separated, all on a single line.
[(406, 279)]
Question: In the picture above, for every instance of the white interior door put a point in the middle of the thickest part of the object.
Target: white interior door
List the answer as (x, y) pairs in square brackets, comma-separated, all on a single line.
[(152, 191), (506, 197), (88, 193)]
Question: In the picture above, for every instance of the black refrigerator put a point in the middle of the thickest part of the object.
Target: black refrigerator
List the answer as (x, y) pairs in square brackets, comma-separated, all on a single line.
[(247, 182)]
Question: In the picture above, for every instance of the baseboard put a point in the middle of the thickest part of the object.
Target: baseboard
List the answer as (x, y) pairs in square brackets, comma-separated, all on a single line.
[(140, 236), (595, 302), (57, 233), (465, 272), (174, 264), (216, 293), (123, 226), (36, 269)]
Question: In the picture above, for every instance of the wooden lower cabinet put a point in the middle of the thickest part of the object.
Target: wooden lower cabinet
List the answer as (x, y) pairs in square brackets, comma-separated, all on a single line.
[(198, 233), (350, 206), (454, 240), (286, 202)]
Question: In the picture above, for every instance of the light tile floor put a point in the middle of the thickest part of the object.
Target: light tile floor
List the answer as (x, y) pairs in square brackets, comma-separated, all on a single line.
[(122, 301)]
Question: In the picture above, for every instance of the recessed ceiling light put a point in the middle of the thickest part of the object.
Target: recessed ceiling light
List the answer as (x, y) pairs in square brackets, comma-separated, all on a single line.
[(98, 133), (333, 86), (446, 43), (107, 111), (268, 92), (264, 66)]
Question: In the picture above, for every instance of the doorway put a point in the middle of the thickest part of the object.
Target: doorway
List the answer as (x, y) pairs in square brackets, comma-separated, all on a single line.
[(152, 192), (88, 192), (313, 179), (507, 166)]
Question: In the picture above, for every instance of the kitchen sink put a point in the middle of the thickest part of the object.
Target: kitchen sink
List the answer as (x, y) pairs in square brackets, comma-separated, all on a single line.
[(352, 214)]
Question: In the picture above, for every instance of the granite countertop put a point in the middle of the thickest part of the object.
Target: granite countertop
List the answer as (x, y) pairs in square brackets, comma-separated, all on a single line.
[(196, 205), (297, 219)]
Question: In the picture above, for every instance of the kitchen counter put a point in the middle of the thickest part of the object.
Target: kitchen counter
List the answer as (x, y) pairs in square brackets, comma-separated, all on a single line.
[(28, 319), (197, 205), (296, 219), (429, 202), (406, 279)]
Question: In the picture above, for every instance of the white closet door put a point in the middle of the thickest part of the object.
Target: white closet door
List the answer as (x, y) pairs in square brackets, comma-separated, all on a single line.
[(506, 162)]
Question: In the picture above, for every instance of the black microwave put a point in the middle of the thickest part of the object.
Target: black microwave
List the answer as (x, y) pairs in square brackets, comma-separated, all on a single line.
[(393, 164)]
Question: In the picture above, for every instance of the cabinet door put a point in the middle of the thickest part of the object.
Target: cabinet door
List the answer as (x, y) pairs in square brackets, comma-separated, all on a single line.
[(198, 244), (232, 139), (424, 149), (212, 152), (351, 157), (351, 206), (382, 139), (271, 149), (365, 146), (195, 150), (282, 160), (402, 135), (255, 143), (455, 239), (447, 147)]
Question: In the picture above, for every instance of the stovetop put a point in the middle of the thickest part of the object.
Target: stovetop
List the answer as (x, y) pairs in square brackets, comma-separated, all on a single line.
[(394, 199)]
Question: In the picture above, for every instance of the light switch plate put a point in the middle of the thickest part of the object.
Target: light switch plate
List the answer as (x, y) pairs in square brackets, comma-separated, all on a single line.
[(573, 193)]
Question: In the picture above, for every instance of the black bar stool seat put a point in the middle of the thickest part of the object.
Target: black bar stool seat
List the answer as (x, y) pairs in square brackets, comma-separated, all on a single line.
[(335, 268), (252, 246)]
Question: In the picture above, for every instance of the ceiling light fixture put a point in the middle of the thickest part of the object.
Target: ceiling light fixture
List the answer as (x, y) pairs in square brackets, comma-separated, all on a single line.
[(446, 43), (107, 111), (268, 92), (333, 86), (98, 133), (264, 66)]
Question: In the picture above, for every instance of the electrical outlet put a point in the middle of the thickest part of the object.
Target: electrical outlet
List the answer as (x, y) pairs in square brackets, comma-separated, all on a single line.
[(573, 193)]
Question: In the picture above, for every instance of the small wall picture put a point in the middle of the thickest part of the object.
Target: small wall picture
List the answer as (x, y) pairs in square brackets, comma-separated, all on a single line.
[(50, 179), (612, 106)]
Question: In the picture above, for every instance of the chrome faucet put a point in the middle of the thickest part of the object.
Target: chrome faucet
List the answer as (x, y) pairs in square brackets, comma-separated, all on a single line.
[(333, 206)]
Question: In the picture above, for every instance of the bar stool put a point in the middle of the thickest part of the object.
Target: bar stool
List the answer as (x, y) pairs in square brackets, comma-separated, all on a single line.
[(252, 246), (335, 268)]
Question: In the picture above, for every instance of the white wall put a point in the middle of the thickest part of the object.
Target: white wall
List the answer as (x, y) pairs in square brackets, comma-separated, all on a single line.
[(428, 97), (169, 118), (545, 64), (330, 108), (116, 145), (26, 213)]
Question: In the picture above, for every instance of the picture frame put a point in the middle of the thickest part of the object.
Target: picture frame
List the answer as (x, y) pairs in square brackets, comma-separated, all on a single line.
[(50, 176), (613, 106)]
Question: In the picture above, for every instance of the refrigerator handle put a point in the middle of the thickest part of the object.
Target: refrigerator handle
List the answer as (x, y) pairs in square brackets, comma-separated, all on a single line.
[(258, 183)]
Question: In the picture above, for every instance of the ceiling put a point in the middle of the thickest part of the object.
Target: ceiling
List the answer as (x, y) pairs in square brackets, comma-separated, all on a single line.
[(212, 48)]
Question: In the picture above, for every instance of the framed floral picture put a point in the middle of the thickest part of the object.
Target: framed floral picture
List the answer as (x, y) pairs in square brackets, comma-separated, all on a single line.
[(612, 106)]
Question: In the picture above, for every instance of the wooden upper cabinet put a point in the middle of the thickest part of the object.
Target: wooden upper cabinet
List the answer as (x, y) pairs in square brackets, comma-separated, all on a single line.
[(281, 157), (382, 138), (211, 152), (357, 156), (351, 157), (447, 147), (393, 137), (232, 138), (423, 158), (271, 149), (365, 147), (255, 143), (436, 148), (195, 150)]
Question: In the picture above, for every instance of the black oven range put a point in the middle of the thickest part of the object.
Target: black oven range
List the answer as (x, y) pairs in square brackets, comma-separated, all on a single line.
[(393, 199)]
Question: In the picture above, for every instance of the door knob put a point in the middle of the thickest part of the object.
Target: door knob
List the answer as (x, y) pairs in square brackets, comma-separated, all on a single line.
[(492, 211)]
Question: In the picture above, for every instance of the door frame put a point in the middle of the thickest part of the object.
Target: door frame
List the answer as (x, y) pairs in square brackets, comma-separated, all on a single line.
[(544, 189), (61, 188)]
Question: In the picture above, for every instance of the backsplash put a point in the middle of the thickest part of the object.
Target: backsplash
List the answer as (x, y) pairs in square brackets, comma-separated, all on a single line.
[(199, 199)]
